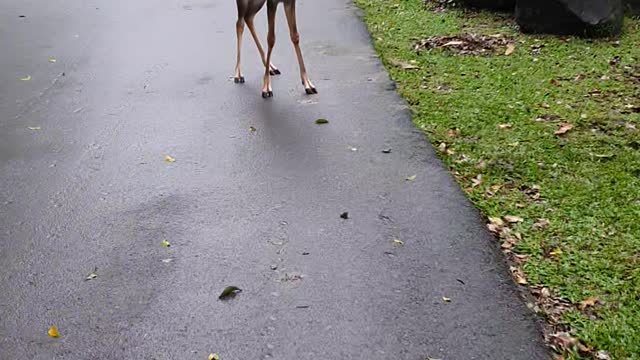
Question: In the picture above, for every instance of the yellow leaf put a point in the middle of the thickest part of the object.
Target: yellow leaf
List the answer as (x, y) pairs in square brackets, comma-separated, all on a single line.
[(165, 243), (446, 299), (169, 159), (412, 178), (214, 357), (26, 78), (53, 332), (398, 242), (252, 129), (52, 60), (556, 252)]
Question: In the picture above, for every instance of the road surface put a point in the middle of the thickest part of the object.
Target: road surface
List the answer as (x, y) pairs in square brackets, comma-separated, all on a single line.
[(115, 86)]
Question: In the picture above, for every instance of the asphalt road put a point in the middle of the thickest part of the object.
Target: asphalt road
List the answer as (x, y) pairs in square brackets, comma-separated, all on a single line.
[(87, 186)]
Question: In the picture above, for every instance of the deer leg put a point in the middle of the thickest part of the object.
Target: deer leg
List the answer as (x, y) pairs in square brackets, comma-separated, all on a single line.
[(290, 11), (267, 91), (238, 78), (273, 70)]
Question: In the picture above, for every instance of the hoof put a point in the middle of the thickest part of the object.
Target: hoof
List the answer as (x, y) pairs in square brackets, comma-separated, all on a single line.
[(311, 91), (274, 72), (267, 94), (238, 80)]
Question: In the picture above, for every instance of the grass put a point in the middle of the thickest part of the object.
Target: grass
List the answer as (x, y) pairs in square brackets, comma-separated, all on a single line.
[(588, 179)]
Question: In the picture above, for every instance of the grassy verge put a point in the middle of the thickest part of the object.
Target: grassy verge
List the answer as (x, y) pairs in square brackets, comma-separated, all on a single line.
[(498, 119)]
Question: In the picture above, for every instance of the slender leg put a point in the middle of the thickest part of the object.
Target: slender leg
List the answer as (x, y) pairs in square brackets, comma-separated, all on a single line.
[(290, 11), (267, 91), (273, 70), (238, 78)]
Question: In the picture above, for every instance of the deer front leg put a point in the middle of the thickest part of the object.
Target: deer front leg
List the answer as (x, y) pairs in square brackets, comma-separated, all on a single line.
[(267, 91), (290, 11), (238, 78)]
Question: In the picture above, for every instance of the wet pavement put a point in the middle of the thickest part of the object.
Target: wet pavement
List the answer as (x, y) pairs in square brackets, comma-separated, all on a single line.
[(116, 86)]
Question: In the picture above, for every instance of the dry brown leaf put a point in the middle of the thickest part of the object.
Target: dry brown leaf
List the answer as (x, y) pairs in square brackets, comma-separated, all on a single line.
[(541, 224), (590, 302), (510, 49), (564, 128), (496, 221), (403, 65), (505, 126), (453, 132), (477, 181), (563, 341), (513, 219), (602, 355), (518, 275)]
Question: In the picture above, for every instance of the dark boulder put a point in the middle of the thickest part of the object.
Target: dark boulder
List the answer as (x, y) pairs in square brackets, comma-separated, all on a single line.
[(571, 17), (498, 5), (632, 7)]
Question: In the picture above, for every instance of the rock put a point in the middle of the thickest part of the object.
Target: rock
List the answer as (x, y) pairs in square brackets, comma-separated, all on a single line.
[(571, 17), (499, 5), (632, 7)]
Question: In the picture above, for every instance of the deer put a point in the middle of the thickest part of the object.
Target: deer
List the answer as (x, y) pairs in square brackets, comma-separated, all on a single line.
[(247, 10)]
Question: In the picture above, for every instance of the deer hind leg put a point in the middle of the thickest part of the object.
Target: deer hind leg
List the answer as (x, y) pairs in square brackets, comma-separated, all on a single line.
[(238, 78), (290, 11), (273, 70), (267, 91)]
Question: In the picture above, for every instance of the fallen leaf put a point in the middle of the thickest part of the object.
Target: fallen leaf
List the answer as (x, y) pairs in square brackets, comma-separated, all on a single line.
[(344, 215), (169, 159), (53, 332), (446, 299), (518, 275), (513, 219), (397, 242), (556, 252), (386, 150), (213, 357), (590, 302), (403, 65), (505, 126), (26, 78), (92, 275), (322, 121), (563, 341), (477, 181), (555, 82), (166, 261), (52, 60), (564, 128), (411, 178), (453, 132), (510, 49), (34, 128), (602, 355), (541, 224), (496, 221), (252, 129), (229, 292), (165, 243)]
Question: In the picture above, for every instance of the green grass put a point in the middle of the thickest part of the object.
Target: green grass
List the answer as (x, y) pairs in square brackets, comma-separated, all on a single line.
[(589, 179)]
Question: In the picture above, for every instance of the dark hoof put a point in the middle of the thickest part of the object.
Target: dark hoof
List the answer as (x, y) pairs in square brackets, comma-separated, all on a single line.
[(311, 91), (267, 94), (274, 72), (238, 80)]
